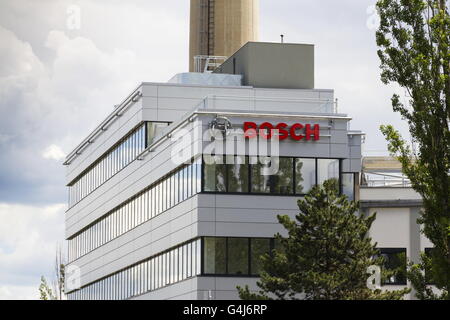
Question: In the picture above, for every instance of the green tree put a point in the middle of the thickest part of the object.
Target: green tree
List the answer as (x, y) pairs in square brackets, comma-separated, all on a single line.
[(45, 292), (60, 274), (57, 293), (413, 40), (325, 255)]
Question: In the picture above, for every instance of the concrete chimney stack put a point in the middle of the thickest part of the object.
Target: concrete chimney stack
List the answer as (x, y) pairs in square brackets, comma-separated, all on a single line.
[(221, 27)]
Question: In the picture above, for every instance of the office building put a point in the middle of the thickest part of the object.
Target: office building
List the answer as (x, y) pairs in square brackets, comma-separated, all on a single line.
[(172, 196), (144, 223)]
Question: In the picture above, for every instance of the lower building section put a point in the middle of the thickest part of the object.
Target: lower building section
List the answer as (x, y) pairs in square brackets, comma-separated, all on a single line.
[(209, 256), (176, 273), (202, 288), (164, 269)]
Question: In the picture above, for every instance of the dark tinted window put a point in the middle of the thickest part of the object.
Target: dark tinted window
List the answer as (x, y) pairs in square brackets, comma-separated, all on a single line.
[(238, 256), (215, 255), (258, 248), (237, 174)]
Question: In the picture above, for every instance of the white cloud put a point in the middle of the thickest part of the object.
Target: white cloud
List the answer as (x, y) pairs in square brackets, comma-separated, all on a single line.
[(29, 236), (55, 86), (20, 58), (4, 138), (53, 152), (59, 102), (19, 293)]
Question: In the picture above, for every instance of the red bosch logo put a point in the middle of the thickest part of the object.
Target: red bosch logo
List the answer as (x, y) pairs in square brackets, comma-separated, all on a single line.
[(297, 131)]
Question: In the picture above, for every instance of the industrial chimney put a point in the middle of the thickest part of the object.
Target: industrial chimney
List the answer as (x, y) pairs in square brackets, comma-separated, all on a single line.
[(218, 28)]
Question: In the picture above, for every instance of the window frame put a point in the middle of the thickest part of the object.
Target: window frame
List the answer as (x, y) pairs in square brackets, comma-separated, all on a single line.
[(227, 273), (250, 165), (394, 251)]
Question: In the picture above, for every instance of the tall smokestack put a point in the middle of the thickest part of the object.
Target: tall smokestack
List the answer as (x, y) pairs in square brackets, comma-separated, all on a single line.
[(221, 27)]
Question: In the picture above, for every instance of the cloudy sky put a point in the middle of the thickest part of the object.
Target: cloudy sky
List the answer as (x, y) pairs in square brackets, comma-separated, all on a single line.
[(58, 79)]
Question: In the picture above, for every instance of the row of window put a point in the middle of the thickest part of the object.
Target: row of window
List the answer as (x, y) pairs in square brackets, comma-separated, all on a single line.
[(187, 181), (165, 194), (208, 256), (107, 166), (242, 257), (170, 267), (114, 160), (282, 176)]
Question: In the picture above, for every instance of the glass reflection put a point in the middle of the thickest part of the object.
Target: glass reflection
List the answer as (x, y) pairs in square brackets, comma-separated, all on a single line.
[(238, 174), (305, 175)]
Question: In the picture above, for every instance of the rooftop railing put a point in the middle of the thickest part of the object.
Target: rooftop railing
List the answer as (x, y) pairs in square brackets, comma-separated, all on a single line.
[(286, 104), (374, 180)]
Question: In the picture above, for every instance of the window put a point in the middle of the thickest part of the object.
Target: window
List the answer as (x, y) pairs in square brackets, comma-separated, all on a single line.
[(144, 207), (172, 267), (152, 274), (260, 177), (164, 268), (394, 266), (274, 177), (136, 279), (238, 256), (198, 164), (181, 184), (154, 130), (126, 214), (268, 176), (258, 248), (237, 174), (158, 198), (327, 169), (157, 273), (215, 255), (215, 174), (188, 181), (348, 185), (305, 175), (172, 190), (185, 261), (163, 195), (153, 202), (177, 186), (282, 182), (198, 257), (176, 267), (189, 260)]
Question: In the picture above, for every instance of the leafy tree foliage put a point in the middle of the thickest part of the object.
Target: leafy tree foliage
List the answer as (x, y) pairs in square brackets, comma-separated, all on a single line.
[(45, 292), (413, 40), (57, 293), (60, 274), (326, 254)]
